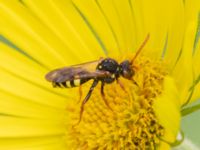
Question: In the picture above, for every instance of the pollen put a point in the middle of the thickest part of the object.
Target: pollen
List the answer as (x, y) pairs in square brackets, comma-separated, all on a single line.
[(131, 124)]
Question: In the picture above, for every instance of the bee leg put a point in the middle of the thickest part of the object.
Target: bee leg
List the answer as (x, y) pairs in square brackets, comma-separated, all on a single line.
[(123, 88), (136, 68), (80, 94), (54, 84), (103, 96), (121, 85), (94, 84)]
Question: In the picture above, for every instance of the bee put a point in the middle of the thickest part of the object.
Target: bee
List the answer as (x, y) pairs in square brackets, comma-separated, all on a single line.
[(104, 70)]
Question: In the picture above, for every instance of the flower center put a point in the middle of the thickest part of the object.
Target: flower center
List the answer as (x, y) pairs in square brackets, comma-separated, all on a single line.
[(132, 123)]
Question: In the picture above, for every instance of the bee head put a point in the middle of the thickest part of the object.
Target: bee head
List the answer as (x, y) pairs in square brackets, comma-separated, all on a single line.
[(126, 69)]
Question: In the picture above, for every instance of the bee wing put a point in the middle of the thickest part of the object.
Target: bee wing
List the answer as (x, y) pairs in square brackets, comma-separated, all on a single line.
[(81, 71)]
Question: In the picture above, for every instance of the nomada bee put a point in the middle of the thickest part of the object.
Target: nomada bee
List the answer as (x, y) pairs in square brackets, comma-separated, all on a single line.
[(104, 70)]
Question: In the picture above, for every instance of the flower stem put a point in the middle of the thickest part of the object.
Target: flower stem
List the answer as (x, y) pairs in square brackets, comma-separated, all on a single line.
[(189, 110)]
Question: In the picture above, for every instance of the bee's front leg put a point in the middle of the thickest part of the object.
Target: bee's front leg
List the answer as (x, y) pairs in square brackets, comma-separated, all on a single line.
[(121, 85)]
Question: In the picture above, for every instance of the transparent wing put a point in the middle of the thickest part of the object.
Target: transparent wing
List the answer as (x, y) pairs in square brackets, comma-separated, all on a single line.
[(81, 71)]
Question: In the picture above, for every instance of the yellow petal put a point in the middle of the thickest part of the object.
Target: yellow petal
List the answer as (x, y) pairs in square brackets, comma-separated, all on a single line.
[(25, 127), (113, 16), (187, 67), (164, 146), (27, 90), (167, 109), (22, 28), (183, 71), (196, 84), (89, 11), (150, 14), (25, 67), (17, 106), (160, 25), (193, 16), (33, 143), (175, 32), (62, 27)]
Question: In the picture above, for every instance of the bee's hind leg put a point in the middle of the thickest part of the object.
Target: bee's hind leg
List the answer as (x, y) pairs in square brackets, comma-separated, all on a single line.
[(80, 94), (103, 96), (94, 84)]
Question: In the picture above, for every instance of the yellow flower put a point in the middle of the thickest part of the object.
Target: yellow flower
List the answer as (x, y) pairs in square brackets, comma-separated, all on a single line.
[(38, 36)]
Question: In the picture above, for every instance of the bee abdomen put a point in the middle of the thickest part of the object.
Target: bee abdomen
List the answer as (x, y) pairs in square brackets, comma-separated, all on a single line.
[(69, 84)]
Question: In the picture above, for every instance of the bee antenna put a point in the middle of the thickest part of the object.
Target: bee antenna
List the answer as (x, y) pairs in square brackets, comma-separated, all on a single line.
[(140, 48)]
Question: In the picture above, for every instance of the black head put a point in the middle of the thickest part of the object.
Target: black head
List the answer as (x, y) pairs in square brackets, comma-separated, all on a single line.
[(126, 69)]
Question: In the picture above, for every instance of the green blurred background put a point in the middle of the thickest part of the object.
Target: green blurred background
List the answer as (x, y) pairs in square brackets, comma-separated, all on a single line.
[(191, 126)]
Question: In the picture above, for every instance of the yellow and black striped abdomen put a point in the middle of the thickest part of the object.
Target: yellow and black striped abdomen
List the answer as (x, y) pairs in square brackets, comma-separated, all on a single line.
[(70, 84)]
